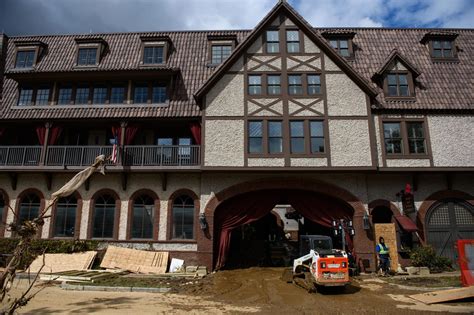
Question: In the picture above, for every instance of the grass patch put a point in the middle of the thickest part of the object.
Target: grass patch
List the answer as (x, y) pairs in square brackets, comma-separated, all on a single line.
[(454, 281)]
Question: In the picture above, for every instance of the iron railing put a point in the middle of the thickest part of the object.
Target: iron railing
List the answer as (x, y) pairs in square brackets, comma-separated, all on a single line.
[(20, 155)]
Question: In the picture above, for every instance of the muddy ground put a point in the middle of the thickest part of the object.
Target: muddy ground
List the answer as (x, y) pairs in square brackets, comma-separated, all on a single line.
[(254, 290)]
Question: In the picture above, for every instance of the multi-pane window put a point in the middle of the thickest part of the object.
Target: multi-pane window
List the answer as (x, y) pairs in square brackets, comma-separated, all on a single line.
[(87, 56), (416, 137), (295, 86), (297, 137), (316, 136), (82, 95), (29, 208), (143, 217), (219, 53), (273, 84), (273, 42), (25, 58), (255, 136), (153, 54), (100, 95), (140, 94), (183, 218), (117, 94), (442, 48), (275, 137), (255, 84), (158, 93), (65, 218), (314, 84), (293, 41), (42, 95), (341, 46), (64, 95), (26, 96), (393, 137), (104, 217), (397, 84)]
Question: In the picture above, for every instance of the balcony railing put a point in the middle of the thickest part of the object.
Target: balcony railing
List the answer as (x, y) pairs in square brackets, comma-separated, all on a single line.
[(151, 156)]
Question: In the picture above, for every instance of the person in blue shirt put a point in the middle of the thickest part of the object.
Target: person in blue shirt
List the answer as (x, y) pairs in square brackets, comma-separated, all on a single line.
[(384, 256)]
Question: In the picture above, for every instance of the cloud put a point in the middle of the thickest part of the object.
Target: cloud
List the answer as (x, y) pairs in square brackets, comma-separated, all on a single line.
[(83, 16)]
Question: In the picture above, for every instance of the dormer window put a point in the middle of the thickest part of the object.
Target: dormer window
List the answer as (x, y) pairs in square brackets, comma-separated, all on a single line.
[(28, 53), (441, 45), (25, 58), (342, 46), (442, 49), (155, 50), (397, 85), (87, 56), (90, 51), (220, 48), (219, 53), (153, 54)]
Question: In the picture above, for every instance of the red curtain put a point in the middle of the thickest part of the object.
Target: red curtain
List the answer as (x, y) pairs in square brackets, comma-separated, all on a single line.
[(54, 133), (40, 132), (130, 133), (117, 132), (196, 131)]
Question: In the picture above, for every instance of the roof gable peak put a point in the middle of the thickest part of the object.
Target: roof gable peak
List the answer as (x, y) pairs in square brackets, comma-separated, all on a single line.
[(395, 55)]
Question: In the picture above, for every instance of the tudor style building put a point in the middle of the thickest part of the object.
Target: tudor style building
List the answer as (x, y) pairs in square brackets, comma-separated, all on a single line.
[(215, 128)]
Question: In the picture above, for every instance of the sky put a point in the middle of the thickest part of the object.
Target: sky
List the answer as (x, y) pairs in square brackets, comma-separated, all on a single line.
[(29, 17)]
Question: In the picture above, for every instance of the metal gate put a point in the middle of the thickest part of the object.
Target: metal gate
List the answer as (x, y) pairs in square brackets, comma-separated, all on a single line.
[(448, 221)]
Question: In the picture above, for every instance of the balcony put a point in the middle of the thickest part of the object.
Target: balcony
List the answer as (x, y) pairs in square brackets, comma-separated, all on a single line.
[(78, 157)]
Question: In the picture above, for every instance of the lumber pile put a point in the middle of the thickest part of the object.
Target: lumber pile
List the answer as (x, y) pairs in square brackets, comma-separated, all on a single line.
[(80, 275), (444, 295), (54, 263), (135, 260)]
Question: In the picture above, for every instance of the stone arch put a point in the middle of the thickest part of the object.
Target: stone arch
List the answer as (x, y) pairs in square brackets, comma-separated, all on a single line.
[(156, 220), (378, 203), (118, 204)]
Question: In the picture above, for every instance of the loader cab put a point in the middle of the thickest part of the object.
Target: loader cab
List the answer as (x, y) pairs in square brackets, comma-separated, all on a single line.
[(320, 243)]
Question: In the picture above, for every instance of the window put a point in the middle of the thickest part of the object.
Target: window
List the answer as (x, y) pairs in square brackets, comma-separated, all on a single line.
[(29, 208), (342, 46), (26, 96), (314, 84), (255, 84), (294, 85), (64, 95), (159, 94), (165, 141), (104, 217), (65, 217), (297, 137), (317, 136), (141, 94), (82, 95), (275, 137), (143, 217), (219, 53), (442, 49), (273, 84), (255, 135), (273, 42), (183, 218), (405, 134), (153, 54), (293, 41), (100, 95), (42, 95), (117, 94), (87, 56), (25, 58), (397, 84)]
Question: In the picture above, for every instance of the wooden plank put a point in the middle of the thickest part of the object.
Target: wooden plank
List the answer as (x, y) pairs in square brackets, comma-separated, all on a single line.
[(55, 263), (444, 295), (388, 232), (135, 260)]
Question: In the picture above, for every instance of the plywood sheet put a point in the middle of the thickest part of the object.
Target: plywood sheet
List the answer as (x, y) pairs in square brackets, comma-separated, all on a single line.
[(388, 232), (444, 295), (63, 262), (135, 260)]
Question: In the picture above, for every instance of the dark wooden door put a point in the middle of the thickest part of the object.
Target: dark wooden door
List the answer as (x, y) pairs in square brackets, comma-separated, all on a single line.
[(448, 221)]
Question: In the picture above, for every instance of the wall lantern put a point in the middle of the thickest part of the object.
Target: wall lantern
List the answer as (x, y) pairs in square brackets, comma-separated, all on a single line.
[(366, 221), (203, 222)]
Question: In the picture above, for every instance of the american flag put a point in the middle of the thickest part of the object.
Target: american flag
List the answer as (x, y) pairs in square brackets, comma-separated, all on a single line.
[(114, 151)]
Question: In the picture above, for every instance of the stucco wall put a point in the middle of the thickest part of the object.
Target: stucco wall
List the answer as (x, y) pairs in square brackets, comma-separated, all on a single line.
[(266, 162), (256, 47), (226, 98), (452, 140), (310, 46), (344, 97), (378, 140), (350, 143), (309, 162), (224, 143), (408, 163)]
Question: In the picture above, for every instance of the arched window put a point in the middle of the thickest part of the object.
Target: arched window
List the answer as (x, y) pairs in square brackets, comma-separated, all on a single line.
[(65, 217), (183, 217), (143, 217), (29, 207), (104, 217)]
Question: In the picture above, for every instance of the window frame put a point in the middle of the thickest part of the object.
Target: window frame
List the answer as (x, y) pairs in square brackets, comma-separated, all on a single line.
[(212, 44), (155, 219), (338, 39), (171, 201), (454, 51), (35, 50), (154, 43), (77, 218), (262, 85), (265, 41), (300, 40), (307, 137), (92, 208), (88, 46), (410, 83)]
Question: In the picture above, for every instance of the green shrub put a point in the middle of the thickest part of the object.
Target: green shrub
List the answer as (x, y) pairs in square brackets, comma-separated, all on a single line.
[(38, 246), (425, 256)]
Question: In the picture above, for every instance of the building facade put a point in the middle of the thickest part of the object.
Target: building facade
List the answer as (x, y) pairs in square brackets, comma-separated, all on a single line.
[(215, 128)]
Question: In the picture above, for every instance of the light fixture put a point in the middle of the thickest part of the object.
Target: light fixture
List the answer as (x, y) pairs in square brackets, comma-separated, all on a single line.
[(203, 222), (366, 221)]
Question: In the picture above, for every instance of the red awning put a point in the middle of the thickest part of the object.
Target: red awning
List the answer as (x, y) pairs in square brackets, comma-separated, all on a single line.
[(406, 223)]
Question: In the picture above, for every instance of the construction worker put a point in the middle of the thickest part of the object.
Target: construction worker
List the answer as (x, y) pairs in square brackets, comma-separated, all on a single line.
[(384, 256)]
